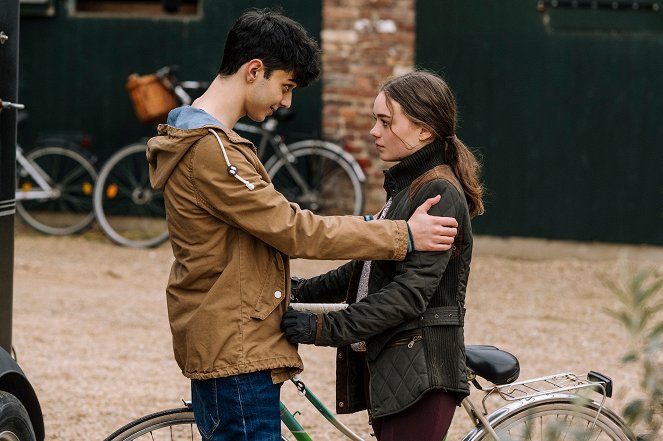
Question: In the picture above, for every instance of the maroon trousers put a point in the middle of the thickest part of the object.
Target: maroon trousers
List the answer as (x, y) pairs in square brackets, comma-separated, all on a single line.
[(426, 420)]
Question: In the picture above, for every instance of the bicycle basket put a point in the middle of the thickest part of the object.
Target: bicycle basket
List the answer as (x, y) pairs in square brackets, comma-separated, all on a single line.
[(151, 98)]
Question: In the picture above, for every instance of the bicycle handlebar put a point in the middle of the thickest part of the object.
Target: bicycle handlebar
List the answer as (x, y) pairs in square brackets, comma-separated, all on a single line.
[(318, 308), (167, 71), (7, 104)]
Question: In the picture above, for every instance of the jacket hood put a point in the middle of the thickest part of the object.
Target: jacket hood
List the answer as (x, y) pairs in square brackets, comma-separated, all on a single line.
[(185, 126)]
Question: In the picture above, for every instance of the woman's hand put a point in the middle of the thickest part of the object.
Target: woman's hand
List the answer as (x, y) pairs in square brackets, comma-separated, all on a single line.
[(299, 327)]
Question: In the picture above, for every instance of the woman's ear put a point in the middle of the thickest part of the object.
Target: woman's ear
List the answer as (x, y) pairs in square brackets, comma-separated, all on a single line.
[(424, 134)]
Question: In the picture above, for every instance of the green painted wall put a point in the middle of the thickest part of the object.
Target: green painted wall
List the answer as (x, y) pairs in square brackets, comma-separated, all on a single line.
[(73, 69), (566, 108)]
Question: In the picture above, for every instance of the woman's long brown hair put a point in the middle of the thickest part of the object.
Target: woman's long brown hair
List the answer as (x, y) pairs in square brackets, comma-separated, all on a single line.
[(427, 100)]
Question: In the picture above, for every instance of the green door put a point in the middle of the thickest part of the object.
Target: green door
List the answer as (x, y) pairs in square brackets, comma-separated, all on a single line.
[(564, 101)]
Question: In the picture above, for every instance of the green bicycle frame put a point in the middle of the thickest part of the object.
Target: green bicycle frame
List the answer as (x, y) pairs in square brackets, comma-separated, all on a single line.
[(297, 430)]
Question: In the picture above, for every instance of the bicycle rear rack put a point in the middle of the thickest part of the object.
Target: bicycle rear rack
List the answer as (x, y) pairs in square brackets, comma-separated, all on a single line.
[(563, 383)]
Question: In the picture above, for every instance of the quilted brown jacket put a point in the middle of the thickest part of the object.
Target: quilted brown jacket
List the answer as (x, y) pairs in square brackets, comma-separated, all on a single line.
[(412, 318), (232, 245)]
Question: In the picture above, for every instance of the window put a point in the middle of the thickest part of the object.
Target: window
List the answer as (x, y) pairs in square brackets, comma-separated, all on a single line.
[(37, 7), (140, 8), (601, 15)]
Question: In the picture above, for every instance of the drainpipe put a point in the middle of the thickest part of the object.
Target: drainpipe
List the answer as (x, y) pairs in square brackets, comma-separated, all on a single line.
[(8, 92)]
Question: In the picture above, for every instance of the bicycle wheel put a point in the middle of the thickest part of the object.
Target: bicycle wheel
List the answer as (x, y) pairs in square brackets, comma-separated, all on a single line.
[(128, 210), (319, 176), (72, 178), (557, 419), (171, 425)]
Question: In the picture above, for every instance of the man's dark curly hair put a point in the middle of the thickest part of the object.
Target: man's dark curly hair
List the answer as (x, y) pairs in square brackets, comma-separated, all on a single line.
[(280, 42)]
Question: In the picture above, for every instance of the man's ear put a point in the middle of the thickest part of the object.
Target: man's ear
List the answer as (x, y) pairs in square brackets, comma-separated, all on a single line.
[(252, 68)]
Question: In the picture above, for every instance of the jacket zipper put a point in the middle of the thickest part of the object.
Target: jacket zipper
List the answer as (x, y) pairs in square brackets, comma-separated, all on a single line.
[(409, 341)]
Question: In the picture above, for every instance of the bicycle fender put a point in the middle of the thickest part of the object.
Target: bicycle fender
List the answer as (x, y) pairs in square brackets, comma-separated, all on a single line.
[(501, 414)]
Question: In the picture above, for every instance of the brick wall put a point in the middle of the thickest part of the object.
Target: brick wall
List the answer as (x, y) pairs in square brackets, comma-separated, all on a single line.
[(364, 42)]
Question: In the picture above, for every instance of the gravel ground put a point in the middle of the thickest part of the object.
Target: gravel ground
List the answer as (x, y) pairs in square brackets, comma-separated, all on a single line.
[(91, 332)]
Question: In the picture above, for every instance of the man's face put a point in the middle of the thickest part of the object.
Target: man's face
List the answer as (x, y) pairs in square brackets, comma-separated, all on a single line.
[(265, 95)]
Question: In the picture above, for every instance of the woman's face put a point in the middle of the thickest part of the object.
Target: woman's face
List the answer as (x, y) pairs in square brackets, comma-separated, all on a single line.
[(396, 137)]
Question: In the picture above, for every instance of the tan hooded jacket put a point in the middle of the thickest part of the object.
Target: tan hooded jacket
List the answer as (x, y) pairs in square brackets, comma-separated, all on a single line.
[(229, 282)]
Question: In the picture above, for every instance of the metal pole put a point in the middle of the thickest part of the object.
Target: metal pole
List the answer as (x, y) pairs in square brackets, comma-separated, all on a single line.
[(8, 93)]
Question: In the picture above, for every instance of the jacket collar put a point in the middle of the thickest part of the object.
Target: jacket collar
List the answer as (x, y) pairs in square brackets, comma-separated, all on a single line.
[(401, 175)]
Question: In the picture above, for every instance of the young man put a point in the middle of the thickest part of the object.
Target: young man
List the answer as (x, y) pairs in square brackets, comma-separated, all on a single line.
[(232, 233)]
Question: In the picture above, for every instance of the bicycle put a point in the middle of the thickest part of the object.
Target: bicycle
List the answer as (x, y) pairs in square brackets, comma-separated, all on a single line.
[(54, 186), (316, 174), (550, 408)]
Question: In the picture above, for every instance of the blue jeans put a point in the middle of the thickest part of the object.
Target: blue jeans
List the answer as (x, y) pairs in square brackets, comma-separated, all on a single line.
[(243, 407)]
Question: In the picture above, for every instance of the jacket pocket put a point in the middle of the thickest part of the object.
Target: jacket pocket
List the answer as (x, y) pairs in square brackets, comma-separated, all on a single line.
[(399, 375), (272, 292), (408, 339)]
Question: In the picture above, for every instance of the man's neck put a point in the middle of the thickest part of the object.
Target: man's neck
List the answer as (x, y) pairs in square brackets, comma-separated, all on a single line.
[(223, 99)]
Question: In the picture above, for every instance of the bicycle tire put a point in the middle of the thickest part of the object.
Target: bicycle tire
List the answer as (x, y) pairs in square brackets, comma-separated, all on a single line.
[(129, 212), (175, 424), (334, 180), (73, 176), (555, 419), (15, 424)]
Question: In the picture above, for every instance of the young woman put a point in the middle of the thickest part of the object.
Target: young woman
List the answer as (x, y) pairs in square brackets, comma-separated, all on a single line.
[(401, 350)]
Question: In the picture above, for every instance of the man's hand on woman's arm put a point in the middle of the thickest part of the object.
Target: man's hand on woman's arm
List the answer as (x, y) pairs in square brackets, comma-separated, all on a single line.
[(431, 233)]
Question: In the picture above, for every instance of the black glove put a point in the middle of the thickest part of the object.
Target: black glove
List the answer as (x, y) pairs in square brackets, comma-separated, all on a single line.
[(295, 282), (299, 327)]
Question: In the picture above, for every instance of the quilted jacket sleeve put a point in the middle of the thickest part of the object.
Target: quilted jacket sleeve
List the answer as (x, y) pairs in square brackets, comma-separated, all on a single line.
[(330, 287)]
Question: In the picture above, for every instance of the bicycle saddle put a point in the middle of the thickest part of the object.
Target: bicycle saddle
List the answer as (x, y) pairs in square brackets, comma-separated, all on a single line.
[(491, 363)]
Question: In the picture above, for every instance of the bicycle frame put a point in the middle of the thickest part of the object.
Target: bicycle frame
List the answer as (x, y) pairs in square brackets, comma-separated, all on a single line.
[(297, 430), (269, 136), (527, 406), (38, 175)]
